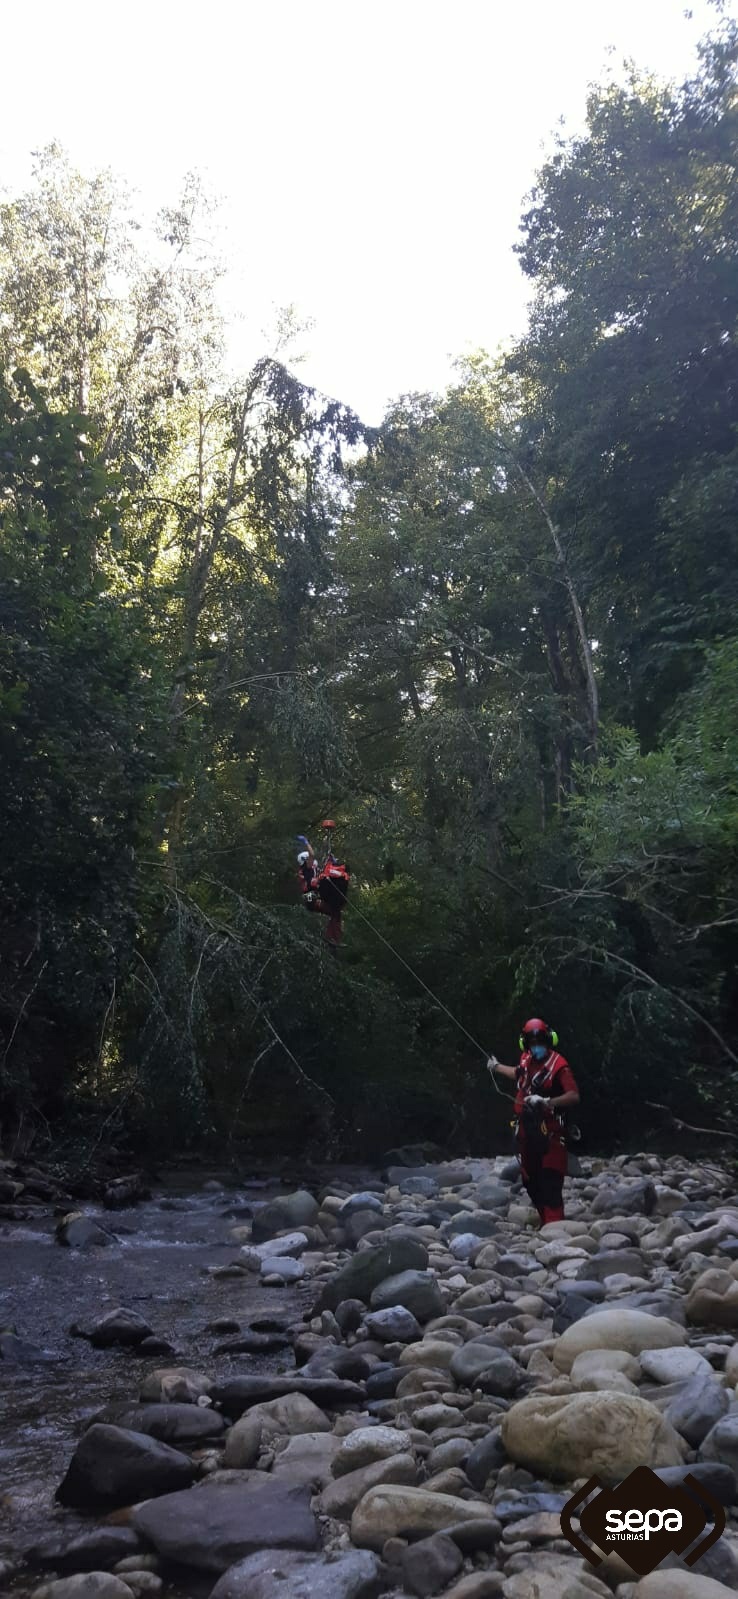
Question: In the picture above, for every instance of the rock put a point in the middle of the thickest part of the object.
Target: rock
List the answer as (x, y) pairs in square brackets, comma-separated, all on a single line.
[(350, 1314), (405, 1512), (238, 1394), (175, 1385), (721, 1443), (695, 1410), (394, 1325), (214, 1526), (358, 1225), (485, 1457), (17, 1352), (482, 1223), (718, 1478), (363, 1201), (626, 1199), (679, 1585), (631, 1330), (429, 1566), (292, 1244), (307, 1458), (351, 1574), (478, 1584), (559, 1578), (340, 1498), (96, 1549), (529, 1505), (613, 1262), (277, 1271), (565, 1436), (478, 1365), (243, 1442), (112, 1466), (185, 1425), (427, 1187), (366, 1445), (124, 1191), (295, 1210), (367, 1269), (713, 1299), (416, 1290), (89, 1585), (597, 1366), (289, 1416), (674, 1365), (78, 1231)]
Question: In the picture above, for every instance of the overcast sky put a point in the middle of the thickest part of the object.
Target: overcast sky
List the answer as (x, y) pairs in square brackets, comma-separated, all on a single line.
[(372, 158)]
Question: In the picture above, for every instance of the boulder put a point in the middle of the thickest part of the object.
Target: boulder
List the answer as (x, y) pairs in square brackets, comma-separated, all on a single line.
[(216, 1525), (370, 1267), (721, 1443), (674, 1365), (81, 1232), (119, 1326), (288, 1211), (350, 1574), (405, 1512), (307, 1458), (415, 1290), (175, 1385), (289, 1416), (431, 1564), (88, 1585), (479, 1365), (112, 1466), (243, 1443), (237, 1394), (94, 1549), (565, 1436), (626, 1199), (630, 1330)]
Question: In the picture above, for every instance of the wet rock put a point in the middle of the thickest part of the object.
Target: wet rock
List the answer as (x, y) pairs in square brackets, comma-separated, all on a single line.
[(370, 1267), (124, 1191), (217, 1525), (119, 1326), (565, 1436), (186, 1426), (416, 1291), (112, 1466), (366, 1445), (430, 1565), (287, 1211), (15, 1351), (405, 1512), (340, 1498), (631, 1330), (292, 1244), (238, 1394), (354, 1574), (98, 1549), (175, 1385), (289, 1416), (78, 1231), (275, 1273)]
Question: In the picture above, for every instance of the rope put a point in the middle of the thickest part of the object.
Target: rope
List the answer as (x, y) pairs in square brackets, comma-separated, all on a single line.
[(429, 991)]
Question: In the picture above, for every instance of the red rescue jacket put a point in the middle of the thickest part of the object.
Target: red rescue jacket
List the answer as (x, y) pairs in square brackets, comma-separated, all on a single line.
[(550, 1078)]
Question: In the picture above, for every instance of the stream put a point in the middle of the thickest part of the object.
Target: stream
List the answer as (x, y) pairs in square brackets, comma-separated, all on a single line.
[(159, 1267)]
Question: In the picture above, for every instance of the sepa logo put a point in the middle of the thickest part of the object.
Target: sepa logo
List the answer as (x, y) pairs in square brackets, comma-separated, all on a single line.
[(644, 1520)]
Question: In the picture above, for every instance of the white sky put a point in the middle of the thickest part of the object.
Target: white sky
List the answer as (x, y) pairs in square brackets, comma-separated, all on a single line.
[(372, 157)]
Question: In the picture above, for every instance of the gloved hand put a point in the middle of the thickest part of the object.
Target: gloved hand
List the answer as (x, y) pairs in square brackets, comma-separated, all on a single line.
[(301, 839), (492, 1064), (535, 1099), (309, 897)]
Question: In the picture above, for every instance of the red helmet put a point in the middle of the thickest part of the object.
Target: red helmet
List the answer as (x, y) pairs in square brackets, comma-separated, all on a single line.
[(325, 825), (535, 1025)]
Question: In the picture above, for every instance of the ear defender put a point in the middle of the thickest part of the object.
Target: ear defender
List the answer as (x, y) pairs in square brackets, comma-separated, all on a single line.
[(521, 1041), (554, 1040)]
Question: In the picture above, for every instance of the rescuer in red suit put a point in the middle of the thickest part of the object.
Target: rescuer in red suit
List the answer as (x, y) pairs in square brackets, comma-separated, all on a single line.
[(544, 1088)]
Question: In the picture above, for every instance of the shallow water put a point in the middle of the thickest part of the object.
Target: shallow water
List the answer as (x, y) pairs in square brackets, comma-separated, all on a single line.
[(159, 1268)]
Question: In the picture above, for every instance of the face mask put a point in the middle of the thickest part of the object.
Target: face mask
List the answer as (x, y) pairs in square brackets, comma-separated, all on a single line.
[(538, 1051)]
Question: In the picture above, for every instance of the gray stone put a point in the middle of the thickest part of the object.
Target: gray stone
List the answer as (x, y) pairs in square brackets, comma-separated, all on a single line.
[(89, 1585), (416, 1290), (361, 1202), (674, 1365), (81, 1232), (719, 1480), (370, 1267), (96, 1549), (357, 1225), (480, 1365), (185, 1425), (394, 1325), (214, 1526), (366, 1444), (613, 1262), (119, 1326), (721, 1443), (340, 1498), (288, 1211), (486, 1456), (112, 1466), (431, 1564), (483, 1223), (492, 1196), (237, 1394), (427, 1187), (696, 1409), (354, 1574), (626, 1199)]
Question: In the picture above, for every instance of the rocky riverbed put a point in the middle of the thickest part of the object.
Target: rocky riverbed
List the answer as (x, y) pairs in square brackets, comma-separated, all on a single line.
[(359, 1389)]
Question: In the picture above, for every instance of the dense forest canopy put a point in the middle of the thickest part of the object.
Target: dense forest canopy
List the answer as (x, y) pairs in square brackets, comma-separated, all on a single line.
[(496, 637)]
